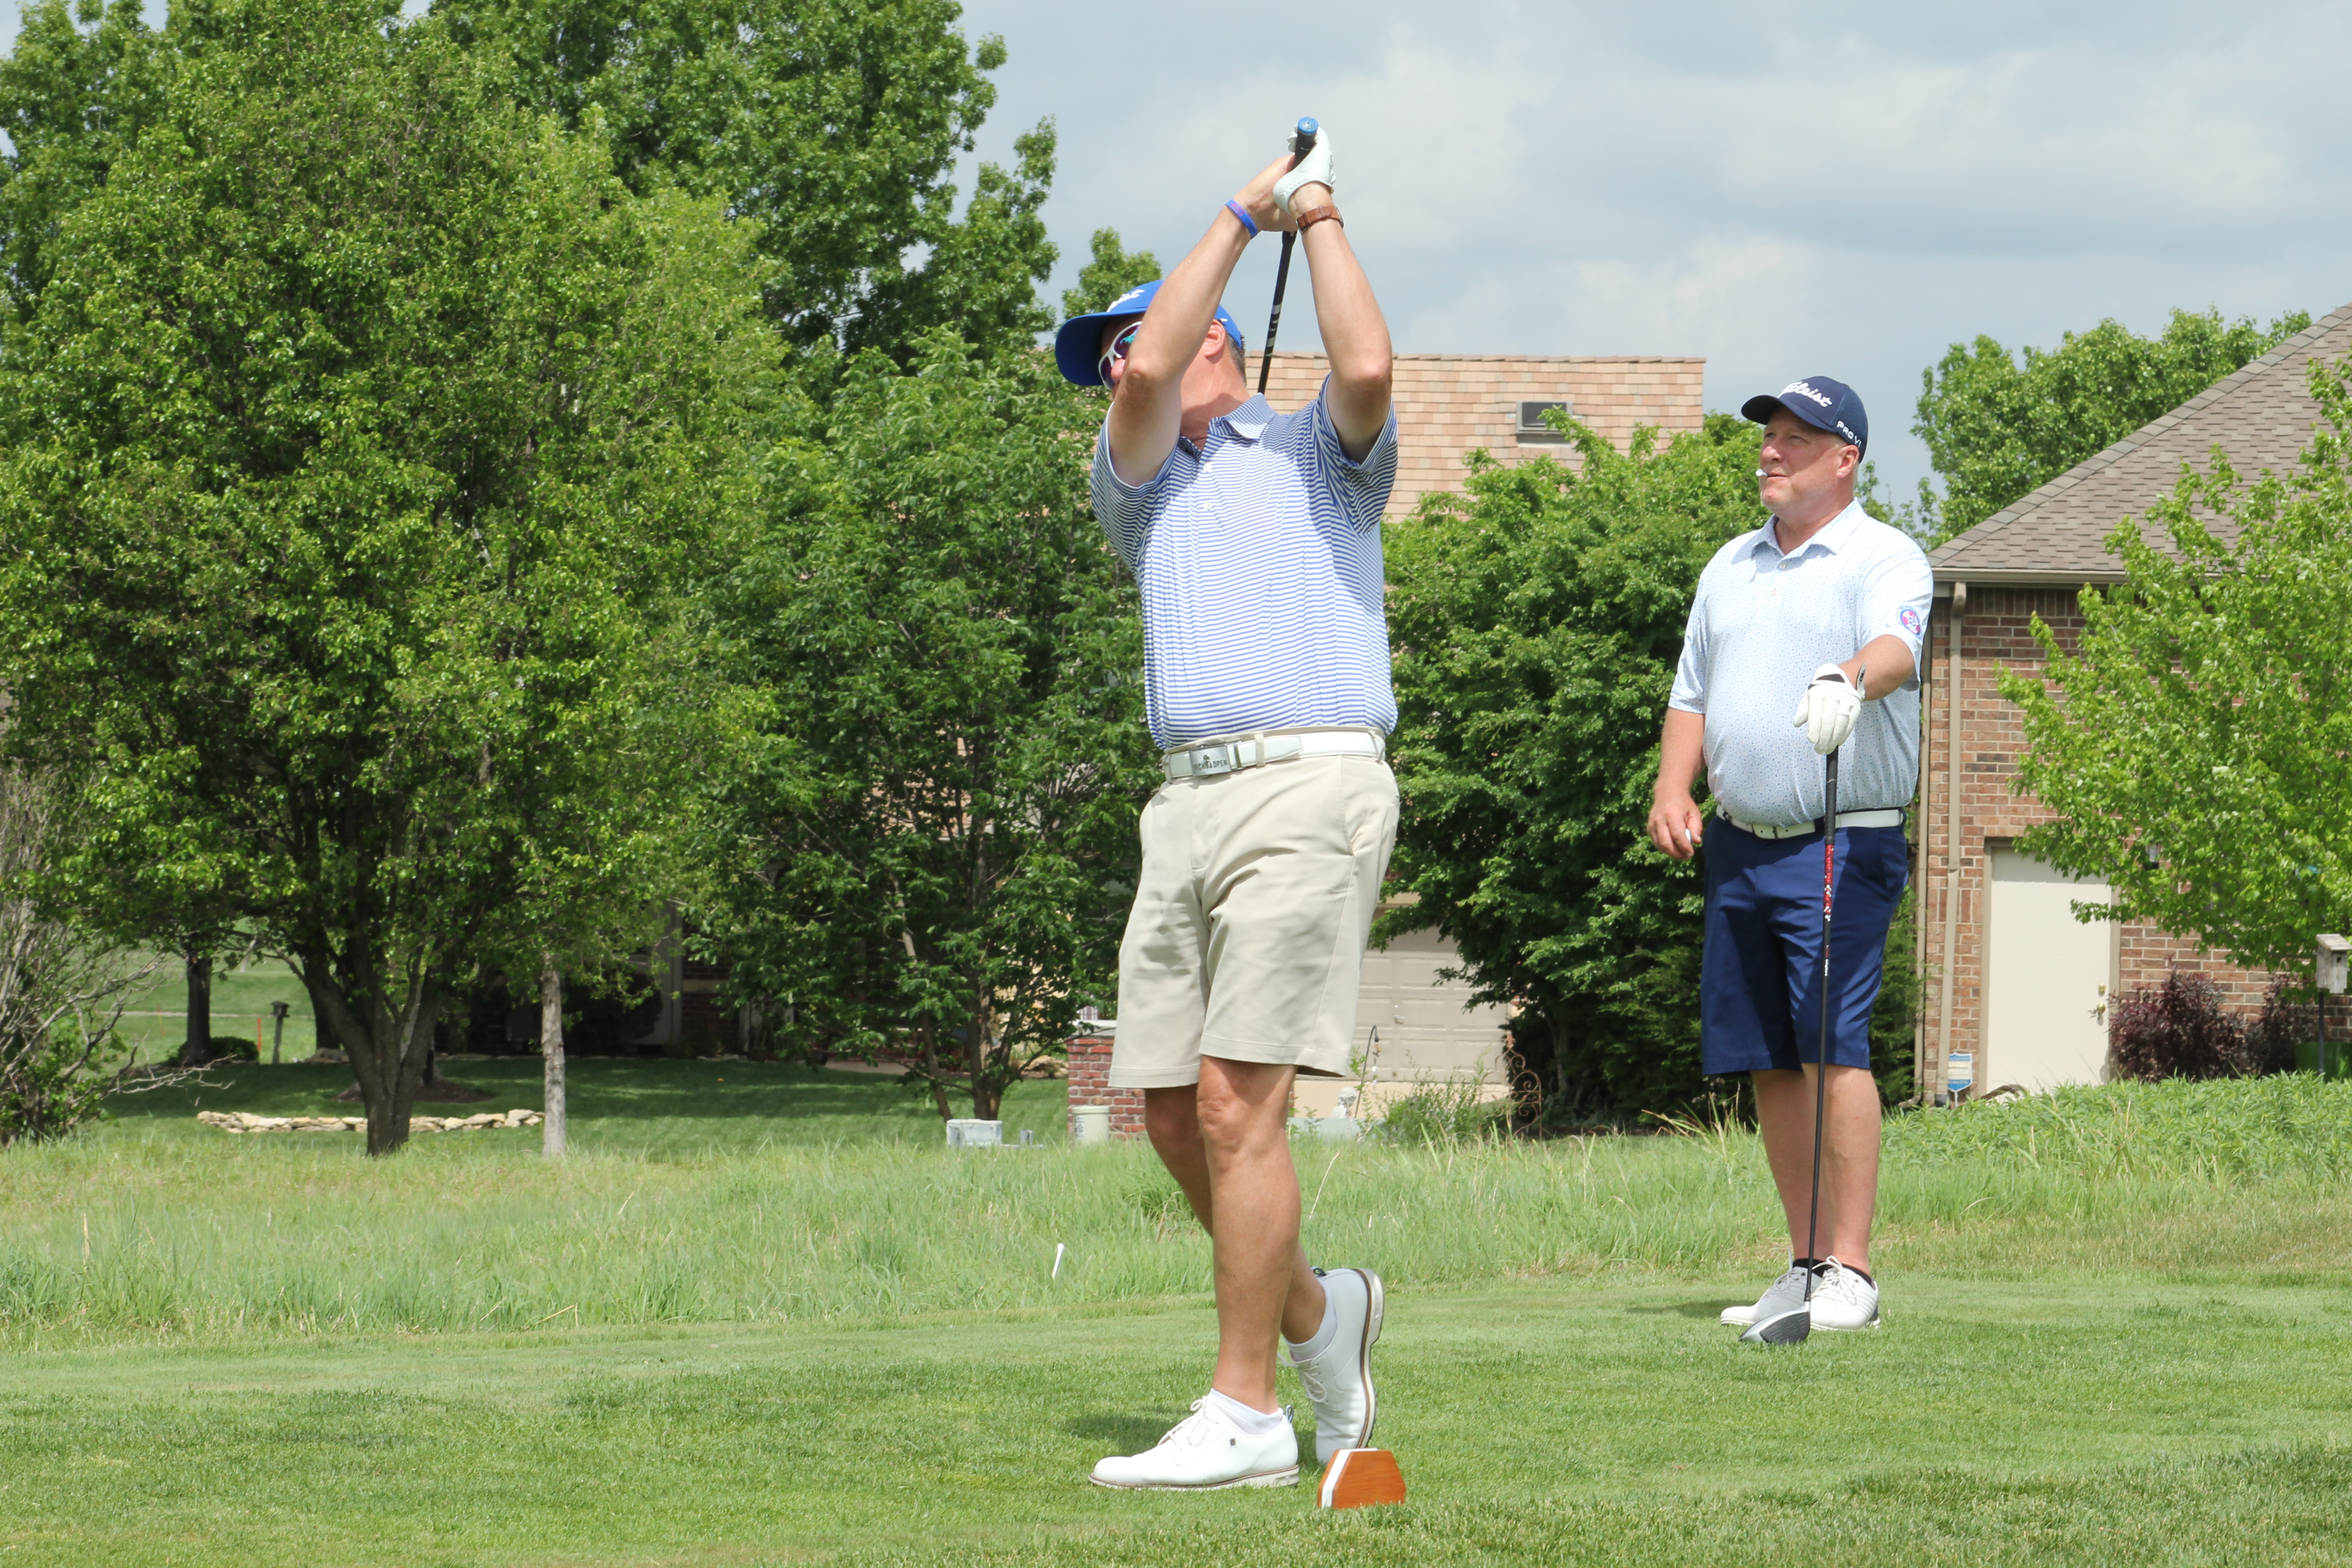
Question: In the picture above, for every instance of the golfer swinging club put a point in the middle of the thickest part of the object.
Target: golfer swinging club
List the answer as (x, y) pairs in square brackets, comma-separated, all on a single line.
[(1820, 609), (1255, 537)]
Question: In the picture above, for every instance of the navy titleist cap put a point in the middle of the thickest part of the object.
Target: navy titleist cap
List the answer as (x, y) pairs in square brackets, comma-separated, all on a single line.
[(1078, 347), (1823, 404)]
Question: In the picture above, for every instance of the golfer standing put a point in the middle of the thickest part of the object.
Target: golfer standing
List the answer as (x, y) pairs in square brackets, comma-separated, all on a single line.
[(1256, 539), (1819, 610)]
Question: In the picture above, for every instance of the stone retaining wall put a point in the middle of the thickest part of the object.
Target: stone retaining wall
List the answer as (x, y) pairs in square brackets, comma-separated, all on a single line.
[(246, 1121)]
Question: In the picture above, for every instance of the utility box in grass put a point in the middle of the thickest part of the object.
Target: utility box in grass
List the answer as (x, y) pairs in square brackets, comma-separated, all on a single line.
[(2330, 972), (970, 1132), (2339, 1058)]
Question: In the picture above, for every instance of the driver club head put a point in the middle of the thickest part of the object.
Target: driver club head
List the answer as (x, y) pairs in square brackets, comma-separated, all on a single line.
[(1789, 1328)]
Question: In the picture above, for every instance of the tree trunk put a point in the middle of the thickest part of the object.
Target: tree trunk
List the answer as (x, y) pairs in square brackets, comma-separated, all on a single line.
[(931, 1071), (197, 1048), (551, 1131), (987, 1094), (386, 1044)]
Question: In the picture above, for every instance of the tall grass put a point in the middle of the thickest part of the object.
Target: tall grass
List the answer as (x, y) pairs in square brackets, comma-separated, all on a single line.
[(2222, 1132), (120, 1234)]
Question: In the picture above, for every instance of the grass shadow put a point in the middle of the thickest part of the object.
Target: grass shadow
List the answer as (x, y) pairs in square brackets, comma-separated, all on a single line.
[(1708, 1309), (1118, 1434)]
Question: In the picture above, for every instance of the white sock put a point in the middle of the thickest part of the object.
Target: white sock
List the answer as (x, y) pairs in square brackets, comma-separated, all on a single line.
[(1254, 1422), (1320, 1340)]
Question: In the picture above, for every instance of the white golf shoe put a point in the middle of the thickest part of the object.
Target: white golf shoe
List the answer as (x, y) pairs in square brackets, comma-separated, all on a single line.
[(1843, 1298), (1205, 1451), (1338, 1382), (1785, 1294)]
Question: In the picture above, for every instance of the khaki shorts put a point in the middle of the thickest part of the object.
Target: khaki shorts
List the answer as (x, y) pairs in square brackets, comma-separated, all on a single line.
[(1246, 942)]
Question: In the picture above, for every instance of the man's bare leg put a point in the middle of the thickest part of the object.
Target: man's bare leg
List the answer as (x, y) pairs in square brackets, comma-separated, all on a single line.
[(1784, 1114), (1227, 1143)]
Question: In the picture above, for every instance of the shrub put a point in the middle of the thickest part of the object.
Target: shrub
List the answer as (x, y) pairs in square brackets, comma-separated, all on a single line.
[(61, 990), (2288, 1020), (232, 1048), (2180, 1029), (1444, 1116), (46, 1089)]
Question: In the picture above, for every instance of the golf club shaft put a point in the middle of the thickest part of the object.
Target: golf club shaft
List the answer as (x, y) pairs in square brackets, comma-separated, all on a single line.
[(1302, 141), (1821, 1058)]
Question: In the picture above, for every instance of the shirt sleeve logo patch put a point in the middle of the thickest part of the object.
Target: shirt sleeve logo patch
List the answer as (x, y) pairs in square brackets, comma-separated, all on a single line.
[(1910, 620)]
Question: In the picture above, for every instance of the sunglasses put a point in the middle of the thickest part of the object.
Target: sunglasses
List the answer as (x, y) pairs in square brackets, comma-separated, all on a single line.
[(1115, 353)]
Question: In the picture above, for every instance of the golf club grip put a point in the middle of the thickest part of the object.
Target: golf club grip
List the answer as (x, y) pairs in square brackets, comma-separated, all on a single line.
[(1829, 888)]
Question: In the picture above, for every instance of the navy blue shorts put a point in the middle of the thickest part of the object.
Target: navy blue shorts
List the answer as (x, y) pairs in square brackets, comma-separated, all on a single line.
[(1760, 981)]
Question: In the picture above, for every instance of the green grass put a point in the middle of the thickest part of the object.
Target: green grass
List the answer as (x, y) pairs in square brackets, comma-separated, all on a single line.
[(156, 1019), (769, 1319)]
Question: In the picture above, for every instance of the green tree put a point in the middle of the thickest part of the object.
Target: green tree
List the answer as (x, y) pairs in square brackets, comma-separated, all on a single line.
[(1111, 270), (939, 833), (1538, 619), (2197, 745), (358, 451), (1997, 429), (833, 125), (74, 93)]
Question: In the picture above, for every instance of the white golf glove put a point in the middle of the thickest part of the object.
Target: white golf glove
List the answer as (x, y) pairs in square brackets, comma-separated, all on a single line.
[(1315, 169), (1828, 710)]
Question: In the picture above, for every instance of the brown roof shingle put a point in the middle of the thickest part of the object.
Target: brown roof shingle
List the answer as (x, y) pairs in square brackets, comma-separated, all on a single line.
[(2261, 416), (1447, 404)]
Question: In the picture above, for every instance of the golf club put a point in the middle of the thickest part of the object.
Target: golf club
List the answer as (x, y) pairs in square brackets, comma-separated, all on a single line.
[(1302, 141), (1795, 1325)]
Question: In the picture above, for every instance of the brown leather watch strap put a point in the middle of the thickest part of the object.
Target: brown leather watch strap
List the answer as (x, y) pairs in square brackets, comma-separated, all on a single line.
[(1313, 215)]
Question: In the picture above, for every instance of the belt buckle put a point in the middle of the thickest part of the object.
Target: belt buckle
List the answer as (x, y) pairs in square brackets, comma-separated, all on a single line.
[(1207, 761)]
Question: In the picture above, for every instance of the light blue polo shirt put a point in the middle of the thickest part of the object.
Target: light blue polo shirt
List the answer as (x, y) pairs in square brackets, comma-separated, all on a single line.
[(1258, 553), (1761, 624)]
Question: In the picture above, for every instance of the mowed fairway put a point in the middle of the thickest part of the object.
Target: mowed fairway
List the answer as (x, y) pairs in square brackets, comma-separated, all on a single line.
[(2118, 1331)]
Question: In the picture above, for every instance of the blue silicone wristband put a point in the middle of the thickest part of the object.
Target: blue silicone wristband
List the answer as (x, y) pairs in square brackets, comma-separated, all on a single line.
[(1242, 213)]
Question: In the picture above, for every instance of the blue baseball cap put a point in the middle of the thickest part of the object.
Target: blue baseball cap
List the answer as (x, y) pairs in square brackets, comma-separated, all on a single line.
[(1823, 404), (1078, 347)]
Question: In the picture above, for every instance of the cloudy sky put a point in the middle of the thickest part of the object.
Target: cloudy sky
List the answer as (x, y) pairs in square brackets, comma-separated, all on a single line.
[(1844, 191)]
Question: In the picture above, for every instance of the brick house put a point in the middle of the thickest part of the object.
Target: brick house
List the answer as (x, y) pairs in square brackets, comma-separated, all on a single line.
[(1448, 403), (2013, 977), (1411, 1026)]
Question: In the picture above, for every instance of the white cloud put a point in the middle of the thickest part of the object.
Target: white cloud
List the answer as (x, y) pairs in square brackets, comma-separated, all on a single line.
[(1785, 193), (1781, 194)]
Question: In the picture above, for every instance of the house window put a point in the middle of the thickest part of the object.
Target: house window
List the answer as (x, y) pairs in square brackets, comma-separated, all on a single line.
[(1532, 430)]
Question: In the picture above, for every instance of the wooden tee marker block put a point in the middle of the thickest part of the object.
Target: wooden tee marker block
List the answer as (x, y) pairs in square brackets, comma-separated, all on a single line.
[(1360, 1477)]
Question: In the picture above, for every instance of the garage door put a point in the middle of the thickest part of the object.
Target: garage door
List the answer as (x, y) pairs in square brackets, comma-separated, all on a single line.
[(1424, 1030), (2045, 1007)]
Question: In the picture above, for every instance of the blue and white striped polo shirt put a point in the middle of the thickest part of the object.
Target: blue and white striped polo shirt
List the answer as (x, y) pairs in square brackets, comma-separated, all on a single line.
[(1761, 624), (1259, 557)]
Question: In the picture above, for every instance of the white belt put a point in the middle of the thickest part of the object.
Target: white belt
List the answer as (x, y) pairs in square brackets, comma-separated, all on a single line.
[(1890, 816), (1214, 757)]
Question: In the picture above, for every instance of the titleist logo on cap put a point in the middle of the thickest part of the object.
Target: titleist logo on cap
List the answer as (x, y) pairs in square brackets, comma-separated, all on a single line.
[(1805, 389)]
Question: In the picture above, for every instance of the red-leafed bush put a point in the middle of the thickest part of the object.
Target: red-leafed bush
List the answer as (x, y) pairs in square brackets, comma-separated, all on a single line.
[(2180, 1029)]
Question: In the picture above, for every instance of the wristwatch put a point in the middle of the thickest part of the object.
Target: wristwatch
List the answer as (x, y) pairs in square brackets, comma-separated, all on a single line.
[(1313, 215)]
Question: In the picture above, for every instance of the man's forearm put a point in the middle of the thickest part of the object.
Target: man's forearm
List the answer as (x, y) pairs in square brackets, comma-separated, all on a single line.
[(1887, 662), (1682, 751), (1355, 333), (1148, 408), (1181, 313)]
